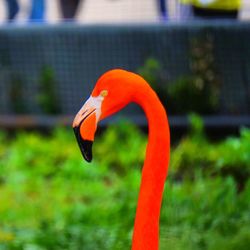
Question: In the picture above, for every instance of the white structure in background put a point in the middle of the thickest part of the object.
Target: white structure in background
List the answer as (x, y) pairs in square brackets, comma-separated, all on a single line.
[(245, 13), (109, 11), (98, 11)]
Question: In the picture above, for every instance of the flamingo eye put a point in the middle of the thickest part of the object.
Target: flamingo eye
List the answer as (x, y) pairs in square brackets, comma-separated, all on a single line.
[(104, 93)]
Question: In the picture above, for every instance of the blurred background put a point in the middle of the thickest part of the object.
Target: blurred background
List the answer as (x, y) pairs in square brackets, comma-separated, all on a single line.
[(195, 55)]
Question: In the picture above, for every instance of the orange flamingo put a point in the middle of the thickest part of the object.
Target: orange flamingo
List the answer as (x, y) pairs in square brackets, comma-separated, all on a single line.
[(114, 90)]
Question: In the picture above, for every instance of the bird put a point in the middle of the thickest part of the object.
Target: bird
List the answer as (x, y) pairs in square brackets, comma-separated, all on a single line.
[(113, 91)]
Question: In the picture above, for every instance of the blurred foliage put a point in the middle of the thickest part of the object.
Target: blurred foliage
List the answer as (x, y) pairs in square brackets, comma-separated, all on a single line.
[(47, 97), (153, 72), (205, 76), (230, 157), (196, 92), (51, 199), (17, 94)]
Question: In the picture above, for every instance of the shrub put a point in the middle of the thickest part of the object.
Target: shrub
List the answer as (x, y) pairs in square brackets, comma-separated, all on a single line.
[(51, 199), (47, 97), (197, 91)]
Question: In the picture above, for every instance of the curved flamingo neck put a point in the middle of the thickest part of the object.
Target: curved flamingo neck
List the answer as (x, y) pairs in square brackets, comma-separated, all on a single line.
[(154, 172), (134, 88)]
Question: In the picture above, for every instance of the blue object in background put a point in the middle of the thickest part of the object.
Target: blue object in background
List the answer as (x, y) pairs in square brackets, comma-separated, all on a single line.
[(185, 12), (13, 9), (37, 11), (163, 9)]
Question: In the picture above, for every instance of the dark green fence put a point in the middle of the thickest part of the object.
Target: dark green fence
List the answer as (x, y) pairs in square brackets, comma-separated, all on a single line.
[(52, 69)]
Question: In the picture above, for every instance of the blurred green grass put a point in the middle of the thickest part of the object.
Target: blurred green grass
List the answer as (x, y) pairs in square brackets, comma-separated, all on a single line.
[(51, 199)]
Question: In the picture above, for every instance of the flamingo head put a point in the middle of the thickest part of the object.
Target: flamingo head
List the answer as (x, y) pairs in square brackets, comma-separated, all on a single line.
[(111, 93)]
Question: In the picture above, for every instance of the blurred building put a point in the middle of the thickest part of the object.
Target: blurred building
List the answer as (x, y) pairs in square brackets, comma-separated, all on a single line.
[(110, 11)]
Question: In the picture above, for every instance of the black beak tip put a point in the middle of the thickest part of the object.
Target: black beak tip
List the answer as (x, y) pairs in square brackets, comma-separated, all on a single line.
[(85, 145), (86, 150), (87, 159)]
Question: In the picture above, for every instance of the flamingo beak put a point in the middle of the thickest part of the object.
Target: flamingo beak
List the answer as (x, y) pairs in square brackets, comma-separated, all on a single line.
[(85, 125), (84, 145)]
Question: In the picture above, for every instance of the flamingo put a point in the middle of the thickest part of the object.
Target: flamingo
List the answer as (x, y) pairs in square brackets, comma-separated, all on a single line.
[(113, 91)]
